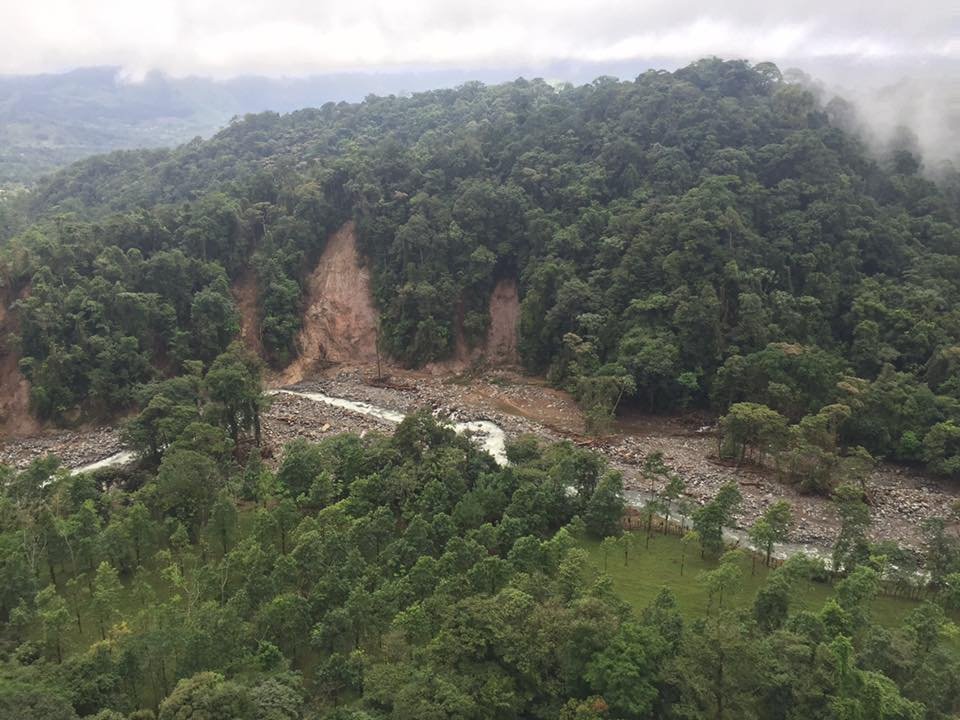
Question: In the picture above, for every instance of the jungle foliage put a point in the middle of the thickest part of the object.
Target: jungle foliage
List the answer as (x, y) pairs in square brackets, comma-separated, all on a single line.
[(410, 577), (703, 238)]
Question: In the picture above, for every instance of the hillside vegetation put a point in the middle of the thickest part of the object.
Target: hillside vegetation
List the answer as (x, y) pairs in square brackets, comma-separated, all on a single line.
[(48, 121), (711, 237), (410, 577)]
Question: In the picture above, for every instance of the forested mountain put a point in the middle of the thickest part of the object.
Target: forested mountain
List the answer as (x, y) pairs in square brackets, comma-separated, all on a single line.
[(690, 239), (711, 238), (48, 121)]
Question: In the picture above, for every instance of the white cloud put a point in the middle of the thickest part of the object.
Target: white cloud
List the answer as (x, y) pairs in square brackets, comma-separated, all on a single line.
[(273, 37)]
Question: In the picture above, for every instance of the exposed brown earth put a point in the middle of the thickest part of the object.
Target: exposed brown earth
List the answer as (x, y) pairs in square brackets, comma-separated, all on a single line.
[(501, 345), (499, 348), (245, 295), (15, 417), (340, 321)]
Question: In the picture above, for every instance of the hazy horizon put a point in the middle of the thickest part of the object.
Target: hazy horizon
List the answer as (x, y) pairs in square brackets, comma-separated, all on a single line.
[(290, 37), (899, 68)]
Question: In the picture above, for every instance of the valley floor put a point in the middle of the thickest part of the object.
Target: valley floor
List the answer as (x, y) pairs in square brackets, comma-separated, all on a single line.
[(520, 405)]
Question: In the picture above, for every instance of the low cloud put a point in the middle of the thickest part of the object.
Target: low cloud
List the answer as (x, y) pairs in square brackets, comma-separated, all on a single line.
[(899, 63), (295, 37)]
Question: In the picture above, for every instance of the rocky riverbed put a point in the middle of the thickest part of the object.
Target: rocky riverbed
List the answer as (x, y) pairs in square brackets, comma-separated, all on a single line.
[(519, 405), (902, 498), (74, 448)]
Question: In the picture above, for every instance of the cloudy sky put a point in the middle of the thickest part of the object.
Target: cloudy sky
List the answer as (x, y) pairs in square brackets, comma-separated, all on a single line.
[(295, 37)]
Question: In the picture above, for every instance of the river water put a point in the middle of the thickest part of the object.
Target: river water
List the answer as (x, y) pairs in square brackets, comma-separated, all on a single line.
[(123, 457), (491, 438)]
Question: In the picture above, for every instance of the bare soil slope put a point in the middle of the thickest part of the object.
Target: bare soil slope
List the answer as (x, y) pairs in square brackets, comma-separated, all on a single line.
[(340, 322), (15, 417), (499, 348), (245, 296), (501, 345)]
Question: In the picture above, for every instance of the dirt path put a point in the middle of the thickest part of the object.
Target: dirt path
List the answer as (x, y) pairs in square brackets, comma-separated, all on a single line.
[(340, 322)]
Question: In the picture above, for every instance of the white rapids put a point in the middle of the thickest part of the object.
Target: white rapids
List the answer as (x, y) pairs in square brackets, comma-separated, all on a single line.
[(491, 436), (124, 457)]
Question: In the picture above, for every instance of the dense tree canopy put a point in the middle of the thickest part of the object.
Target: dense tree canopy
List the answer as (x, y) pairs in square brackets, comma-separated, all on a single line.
[(424, 581), (706, 237), (712, 237)]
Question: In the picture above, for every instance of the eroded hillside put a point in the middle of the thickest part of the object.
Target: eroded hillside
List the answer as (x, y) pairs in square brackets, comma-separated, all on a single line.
[(340, 320), (501, 345), (15, 417)]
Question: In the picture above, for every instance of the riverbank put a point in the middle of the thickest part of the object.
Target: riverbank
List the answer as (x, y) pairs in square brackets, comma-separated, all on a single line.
[(519, 405)]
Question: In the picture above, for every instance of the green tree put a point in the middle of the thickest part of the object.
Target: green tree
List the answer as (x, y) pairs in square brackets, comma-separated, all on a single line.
[(54, 617), (626, 671), (223, 520), (207, 696), (771, 527), (605, 507), (690, 538), (941, 449), (105, 597), (234, 385), (724, 580), (752, 427), (710, 519), (302, 463), (187, 483), (851, 546)]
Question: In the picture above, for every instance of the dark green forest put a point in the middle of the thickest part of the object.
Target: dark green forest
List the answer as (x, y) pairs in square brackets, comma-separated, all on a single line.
[(408, 577), (713, 239), (687, 240)]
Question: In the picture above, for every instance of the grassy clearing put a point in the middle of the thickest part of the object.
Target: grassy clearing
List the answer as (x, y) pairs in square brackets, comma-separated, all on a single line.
[(648, 570)]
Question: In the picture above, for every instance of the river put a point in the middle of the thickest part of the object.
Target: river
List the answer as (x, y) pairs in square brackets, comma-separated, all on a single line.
[(491, 438)]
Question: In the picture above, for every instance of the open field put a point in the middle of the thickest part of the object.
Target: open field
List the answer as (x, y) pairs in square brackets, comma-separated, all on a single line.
[(649, 569)]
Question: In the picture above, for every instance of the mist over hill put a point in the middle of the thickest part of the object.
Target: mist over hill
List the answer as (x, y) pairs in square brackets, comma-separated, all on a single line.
[(48, 121)]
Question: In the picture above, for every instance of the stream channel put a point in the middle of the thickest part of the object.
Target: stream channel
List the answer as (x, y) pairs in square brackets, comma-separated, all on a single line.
[(491, 438)]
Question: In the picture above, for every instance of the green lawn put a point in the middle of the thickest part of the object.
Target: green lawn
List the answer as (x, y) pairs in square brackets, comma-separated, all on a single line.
[(648, 570)]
